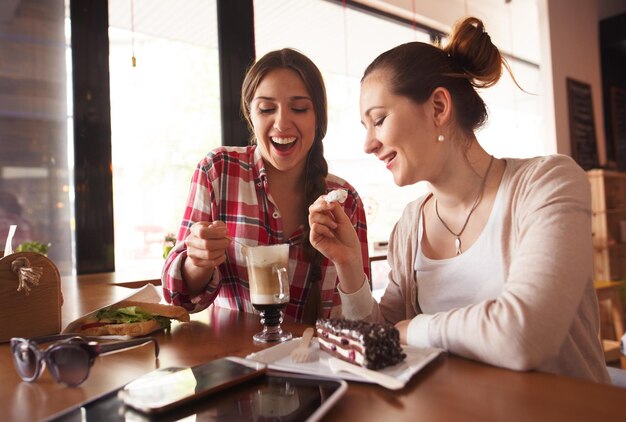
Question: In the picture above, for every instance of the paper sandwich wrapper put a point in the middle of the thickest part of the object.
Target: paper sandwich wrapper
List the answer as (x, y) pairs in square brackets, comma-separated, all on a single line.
[(147, 293)]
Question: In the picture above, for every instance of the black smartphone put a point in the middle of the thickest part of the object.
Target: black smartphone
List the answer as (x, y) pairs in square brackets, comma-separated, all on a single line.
[(164, 389)]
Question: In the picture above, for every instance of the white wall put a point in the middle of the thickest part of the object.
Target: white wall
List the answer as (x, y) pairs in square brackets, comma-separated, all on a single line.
[(573, 36)]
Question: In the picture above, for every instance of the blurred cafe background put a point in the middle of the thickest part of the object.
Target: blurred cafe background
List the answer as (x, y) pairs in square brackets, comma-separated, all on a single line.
[(107, 106)]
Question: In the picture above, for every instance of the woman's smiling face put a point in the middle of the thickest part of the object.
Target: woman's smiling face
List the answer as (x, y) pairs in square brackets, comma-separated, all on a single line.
[(399, 132), (283, 118)]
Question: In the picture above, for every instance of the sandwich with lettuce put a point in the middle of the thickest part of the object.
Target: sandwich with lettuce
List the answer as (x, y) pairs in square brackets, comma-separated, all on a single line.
[(130, 318)]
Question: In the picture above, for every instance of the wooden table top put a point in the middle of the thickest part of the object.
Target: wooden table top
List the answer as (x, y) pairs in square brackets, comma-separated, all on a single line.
[(450, 388)]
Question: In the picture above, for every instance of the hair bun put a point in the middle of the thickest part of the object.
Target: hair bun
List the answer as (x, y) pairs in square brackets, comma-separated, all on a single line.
[(472, 51)]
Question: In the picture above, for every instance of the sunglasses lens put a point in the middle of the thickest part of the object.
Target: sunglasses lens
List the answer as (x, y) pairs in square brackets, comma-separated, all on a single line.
[(25, 361), (69, 364)]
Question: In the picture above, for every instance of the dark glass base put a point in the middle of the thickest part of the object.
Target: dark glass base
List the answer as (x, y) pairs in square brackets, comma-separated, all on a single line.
[(271, 318)]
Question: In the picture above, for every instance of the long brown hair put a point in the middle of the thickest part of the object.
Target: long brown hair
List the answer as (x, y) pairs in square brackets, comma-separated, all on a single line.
[(317, 167), (470, 60)]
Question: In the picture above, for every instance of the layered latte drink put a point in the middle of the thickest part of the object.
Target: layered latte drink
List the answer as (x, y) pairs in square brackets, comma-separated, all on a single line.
[(269, 287), (267, 275)]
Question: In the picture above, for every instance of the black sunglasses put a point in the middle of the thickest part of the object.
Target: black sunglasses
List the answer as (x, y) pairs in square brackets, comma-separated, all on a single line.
[(69, 358)]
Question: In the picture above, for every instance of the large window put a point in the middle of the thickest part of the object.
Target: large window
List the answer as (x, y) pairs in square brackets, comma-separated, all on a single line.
[(515, 125), (165, 116), (165, 111)]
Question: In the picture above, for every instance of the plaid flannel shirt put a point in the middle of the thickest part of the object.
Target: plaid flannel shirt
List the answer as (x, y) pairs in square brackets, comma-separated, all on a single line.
[(230, 185)]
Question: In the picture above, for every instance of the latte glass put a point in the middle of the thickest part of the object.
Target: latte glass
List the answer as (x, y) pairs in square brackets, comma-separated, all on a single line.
[(269, 288)]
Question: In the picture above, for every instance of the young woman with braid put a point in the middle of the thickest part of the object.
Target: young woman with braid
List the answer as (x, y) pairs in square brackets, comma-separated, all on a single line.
[(260, 194), (495, 263)]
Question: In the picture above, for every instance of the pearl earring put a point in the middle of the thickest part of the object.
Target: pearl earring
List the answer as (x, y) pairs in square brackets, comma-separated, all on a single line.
[(441, 138)]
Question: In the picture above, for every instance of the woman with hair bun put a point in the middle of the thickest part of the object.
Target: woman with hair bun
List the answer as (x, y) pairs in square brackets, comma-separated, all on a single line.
[(260, 194), (495, 262)]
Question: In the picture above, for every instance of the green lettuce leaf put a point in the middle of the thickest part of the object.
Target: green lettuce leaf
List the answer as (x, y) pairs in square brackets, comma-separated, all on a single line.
[(131, 314)]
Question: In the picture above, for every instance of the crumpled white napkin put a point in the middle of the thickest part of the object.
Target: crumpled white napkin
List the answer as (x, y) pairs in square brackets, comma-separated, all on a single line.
[(8, 246), (338, 195)]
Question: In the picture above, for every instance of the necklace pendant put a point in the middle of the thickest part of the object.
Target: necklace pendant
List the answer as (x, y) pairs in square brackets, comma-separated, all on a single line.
[(457, 245)]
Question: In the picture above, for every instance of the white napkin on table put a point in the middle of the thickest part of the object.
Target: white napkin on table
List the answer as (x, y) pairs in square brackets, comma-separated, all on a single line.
[(8, 247)]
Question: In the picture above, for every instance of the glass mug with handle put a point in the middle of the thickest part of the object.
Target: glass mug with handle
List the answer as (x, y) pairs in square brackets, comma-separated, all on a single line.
[(69, 358), (269, 288)]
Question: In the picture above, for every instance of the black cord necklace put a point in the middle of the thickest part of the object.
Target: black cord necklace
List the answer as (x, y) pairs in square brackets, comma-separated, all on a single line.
[(479, 197)]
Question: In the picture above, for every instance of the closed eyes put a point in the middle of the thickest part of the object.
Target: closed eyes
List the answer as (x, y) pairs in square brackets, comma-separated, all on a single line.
[(273, 109), (379, 121)]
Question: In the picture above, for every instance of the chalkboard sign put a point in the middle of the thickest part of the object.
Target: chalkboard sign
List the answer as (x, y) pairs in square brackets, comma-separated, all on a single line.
[(581, 124), (618, 120)]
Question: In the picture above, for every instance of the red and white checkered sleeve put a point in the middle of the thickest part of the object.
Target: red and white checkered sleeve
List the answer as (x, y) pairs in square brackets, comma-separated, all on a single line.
[(201, 206)]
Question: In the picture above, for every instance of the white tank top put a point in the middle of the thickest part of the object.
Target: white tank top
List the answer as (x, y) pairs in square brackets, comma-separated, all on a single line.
[(473, 276)]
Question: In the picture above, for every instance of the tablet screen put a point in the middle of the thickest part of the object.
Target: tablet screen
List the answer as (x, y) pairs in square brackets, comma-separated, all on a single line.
[(273, 396)]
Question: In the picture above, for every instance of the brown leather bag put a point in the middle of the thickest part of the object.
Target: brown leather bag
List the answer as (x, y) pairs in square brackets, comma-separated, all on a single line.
[(30, 296)]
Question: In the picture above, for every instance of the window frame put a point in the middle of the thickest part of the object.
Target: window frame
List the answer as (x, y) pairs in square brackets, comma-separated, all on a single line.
[(93, 178)]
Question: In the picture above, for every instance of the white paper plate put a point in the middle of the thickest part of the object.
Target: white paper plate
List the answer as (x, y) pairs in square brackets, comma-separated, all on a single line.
[(278, 358)]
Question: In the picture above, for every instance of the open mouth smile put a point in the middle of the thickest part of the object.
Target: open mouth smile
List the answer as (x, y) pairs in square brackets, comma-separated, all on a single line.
[(283, 144)]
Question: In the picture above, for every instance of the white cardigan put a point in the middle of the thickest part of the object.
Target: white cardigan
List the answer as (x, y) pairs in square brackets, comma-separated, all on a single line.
[(547, 317)]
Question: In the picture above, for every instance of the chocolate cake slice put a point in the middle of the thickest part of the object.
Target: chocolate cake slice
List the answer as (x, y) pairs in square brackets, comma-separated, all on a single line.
[(372, 345)]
